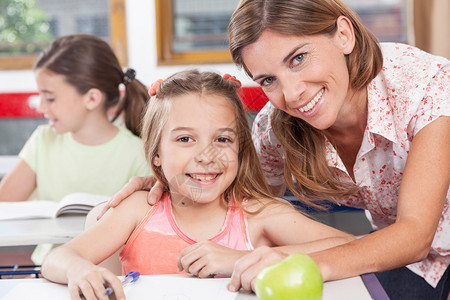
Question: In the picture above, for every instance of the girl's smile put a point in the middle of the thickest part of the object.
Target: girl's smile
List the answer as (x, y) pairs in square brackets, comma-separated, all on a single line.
[(198, 152), (204, 178)]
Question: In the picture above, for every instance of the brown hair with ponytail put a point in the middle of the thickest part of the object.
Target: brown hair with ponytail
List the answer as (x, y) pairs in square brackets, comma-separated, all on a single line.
[(86, 61)]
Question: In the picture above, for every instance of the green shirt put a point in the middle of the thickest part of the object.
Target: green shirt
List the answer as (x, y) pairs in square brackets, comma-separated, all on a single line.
[(64, 166)]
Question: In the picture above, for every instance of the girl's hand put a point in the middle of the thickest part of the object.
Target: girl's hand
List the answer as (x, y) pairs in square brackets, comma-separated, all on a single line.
[(136, 184), (88, 280), (247, 268), (206, 259)]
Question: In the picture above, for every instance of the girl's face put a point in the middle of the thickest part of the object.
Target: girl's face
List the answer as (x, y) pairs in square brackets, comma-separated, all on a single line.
[(60, 102), (305, 76), (199, 148)]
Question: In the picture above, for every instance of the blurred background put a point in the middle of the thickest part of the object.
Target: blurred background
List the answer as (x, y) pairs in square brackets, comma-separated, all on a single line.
[(159, 37)]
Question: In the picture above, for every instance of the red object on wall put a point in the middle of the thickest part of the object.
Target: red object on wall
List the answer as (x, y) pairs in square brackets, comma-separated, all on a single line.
[(16, 105)]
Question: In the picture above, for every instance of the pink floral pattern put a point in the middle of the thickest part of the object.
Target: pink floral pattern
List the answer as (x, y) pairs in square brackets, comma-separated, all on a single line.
[(410, 92)]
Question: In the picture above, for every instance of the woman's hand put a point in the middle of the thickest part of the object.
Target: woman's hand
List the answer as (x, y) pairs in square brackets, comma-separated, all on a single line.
[(89, 280), (247, 267), (136, 184), (206, 259)]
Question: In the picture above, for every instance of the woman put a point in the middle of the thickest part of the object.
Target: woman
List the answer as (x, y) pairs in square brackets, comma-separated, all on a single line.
[(363, 124)]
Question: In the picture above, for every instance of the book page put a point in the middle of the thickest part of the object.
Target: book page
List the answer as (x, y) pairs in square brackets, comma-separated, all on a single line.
[(27, 209), (71, 203), (79, 203)]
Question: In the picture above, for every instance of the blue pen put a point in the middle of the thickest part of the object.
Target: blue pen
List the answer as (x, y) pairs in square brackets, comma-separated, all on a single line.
[(129, 278)]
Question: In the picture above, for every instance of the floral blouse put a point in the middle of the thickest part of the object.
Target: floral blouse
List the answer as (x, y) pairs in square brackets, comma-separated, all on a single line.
[(411, 91)]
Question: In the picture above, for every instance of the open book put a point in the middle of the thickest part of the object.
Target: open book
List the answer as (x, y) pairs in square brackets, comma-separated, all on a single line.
[(80, 203)]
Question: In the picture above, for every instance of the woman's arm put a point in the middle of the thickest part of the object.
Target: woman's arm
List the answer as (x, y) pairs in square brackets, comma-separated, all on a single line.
[(75, 262), (18, 184), (276, 232), (422, 195)]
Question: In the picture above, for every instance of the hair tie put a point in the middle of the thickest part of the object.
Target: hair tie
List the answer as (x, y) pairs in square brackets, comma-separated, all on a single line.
[(129, 76), (232, 78), (154, 87)]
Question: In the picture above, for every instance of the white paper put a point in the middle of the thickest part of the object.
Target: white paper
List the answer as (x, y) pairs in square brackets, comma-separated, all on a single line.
[(73, 203), (156, 287), (173, 287), (38, 290)]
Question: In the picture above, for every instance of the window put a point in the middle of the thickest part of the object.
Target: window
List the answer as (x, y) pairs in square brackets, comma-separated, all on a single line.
[(195, 31), (27, 27)]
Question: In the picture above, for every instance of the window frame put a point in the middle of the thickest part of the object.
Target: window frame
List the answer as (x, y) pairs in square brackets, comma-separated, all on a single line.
[(164, 37), (117, 33)]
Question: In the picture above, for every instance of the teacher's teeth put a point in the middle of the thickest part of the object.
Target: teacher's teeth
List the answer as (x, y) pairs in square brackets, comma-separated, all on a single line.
[(312, 103)]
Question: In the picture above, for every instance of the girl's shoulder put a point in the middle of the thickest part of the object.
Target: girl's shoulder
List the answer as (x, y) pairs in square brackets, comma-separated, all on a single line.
[(135, 206), (267, 207)]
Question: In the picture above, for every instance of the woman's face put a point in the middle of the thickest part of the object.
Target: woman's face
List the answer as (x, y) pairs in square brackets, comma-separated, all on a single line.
[(305, 76)]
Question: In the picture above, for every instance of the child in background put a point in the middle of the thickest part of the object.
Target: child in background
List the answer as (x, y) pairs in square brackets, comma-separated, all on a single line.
[(80, 150), (217, 207)]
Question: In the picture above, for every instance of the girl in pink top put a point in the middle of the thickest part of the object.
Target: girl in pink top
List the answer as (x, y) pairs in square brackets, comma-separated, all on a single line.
[(216, 209)]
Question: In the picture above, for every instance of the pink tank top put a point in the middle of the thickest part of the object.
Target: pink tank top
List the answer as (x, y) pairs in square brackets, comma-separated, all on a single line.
[(156, 243)]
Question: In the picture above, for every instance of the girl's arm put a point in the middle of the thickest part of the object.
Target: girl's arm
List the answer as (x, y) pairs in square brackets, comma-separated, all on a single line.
[(18, 184), (422, 195), (282, 225), (135, 184), (74, 263), (277, 225)]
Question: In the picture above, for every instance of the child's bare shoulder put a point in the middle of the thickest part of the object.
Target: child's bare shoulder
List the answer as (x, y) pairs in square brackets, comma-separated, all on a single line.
[(136, 203), (140, 196), (267, 206)]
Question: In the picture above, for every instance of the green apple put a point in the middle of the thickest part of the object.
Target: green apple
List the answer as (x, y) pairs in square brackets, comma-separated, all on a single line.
[(295, 277)]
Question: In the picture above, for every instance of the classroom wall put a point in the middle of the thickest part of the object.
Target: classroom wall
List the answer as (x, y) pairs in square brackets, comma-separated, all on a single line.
[(142, 57), (17, 124)]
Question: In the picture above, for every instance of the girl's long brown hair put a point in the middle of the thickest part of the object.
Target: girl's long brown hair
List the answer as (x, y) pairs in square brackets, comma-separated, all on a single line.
[(87, 62), (249, 182)]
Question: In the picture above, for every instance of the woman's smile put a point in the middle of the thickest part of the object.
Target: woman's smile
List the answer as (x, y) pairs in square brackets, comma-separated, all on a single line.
[(311, 104)]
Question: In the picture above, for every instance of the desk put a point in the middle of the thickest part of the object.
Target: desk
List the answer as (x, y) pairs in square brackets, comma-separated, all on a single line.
[(351, 288), (7, 163), (40, 231)]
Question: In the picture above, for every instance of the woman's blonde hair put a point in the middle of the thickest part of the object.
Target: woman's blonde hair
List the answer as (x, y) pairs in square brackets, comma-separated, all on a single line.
[(249, 182), (304, 145)]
